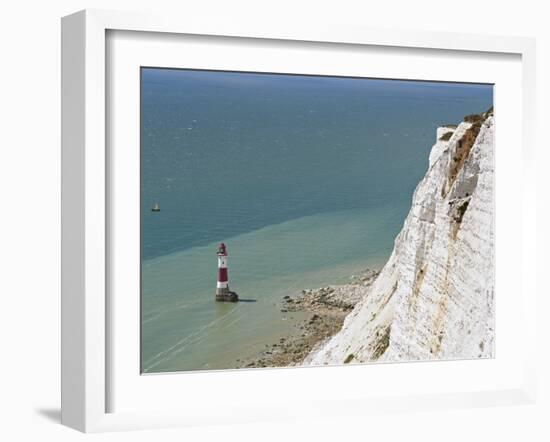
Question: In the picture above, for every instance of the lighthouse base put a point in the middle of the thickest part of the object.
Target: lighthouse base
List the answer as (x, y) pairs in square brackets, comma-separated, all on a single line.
[(225, 295)]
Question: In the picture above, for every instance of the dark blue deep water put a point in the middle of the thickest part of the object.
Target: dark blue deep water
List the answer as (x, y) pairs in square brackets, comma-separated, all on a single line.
[(226, 153)]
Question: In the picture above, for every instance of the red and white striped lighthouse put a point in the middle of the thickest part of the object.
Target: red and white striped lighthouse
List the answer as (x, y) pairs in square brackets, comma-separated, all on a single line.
[(222, 286)]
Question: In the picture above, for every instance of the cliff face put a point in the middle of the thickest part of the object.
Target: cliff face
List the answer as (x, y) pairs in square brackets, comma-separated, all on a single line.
[(434, 298)]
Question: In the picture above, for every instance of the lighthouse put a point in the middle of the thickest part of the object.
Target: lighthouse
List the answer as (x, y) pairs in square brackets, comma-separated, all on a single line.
[(223, 294)]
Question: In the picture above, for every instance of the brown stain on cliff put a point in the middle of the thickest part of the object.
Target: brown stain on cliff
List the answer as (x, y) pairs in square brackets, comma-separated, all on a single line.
[(463, 148), (437, 339), (382, 341), (381, 334), (438, 323), (384, 303), (458, 211), (417, 284), (461, 153)]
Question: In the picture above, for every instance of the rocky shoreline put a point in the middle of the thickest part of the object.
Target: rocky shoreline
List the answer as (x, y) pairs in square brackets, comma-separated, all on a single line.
[(327, 307)]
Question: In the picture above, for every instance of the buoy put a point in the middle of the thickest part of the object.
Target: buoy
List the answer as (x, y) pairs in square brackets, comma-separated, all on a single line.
[(156, 208)]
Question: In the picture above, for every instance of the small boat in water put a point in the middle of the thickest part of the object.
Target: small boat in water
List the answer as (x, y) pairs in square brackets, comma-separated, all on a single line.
[(156, 208)]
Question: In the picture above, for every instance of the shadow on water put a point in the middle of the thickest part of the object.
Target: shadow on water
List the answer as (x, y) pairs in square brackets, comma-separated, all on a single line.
[(247, 300)]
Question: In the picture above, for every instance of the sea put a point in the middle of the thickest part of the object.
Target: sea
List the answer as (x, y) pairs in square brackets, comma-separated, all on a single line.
[(306, 179)]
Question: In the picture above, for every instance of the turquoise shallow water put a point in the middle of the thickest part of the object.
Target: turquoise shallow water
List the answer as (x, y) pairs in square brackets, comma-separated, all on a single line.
[(306, 179), (191, 331)]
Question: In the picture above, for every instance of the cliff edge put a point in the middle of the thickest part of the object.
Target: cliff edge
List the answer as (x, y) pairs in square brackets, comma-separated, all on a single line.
[(434, 298)]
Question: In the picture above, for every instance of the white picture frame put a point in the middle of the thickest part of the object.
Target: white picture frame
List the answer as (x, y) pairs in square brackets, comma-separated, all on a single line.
[(86, 315)]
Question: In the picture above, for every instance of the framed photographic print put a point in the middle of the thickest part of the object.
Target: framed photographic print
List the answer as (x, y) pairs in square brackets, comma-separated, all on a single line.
[(252, 213)]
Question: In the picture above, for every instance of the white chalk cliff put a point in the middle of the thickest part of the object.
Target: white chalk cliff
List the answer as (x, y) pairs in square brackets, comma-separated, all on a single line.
[(434, 298)]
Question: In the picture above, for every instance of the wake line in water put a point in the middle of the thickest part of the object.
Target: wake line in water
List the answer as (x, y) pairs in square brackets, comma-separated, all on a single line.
[(183, 343), (200, 338), (190, 336), (151, 316)]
